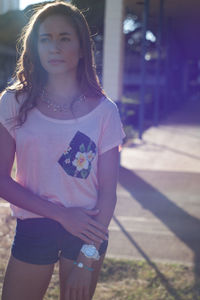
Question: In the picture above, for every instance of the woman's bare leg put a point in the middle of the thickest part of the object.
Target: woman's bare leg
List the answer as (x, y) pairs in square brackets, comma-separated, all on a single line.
[(24, 281), (65, 267)]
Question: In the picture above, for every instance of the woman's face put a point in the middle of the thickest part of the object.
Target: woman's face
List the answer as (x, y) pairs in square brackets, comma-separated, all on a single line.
[(58, 46)]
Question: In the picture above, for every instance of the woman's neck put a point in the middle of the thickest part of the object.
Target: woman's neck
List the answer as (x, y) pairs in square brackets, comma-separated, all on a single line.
[(62, 86)]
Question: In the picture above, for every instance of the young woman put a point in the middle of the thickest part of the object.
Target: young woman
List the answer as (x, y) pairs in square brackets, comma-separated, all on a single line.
[(65, 133)]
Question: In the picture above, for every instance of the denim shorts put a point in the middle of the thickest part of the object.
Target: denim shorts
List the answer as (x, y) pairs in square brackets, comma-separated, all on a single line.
[(42, 241)]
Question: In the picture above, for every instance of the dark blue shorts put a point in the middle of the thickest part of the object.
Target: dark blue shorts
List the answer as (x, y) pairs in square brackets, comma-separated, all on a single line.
[(42, 241)]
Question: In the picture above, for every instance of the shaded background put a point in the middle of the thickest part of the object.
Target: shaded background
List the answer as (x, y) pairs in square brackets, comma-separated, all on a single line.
[(169, 56)]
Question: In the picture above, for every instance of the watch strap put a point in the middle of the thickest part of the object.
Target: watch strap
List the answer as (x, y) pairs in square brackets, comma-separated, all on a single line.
[(82, 266)]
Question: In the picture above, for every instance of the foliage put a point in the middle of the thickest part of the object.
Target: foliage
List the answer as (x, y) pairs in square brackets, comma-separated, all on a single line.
[(11, 25), (94, 13), (12, 22)]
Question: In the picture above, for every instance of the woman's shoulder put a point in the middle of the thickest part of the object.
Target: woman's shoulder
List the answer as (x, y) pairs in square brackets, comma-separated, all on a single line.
[(7, 100), (8, 97), (109, 105), (104, 105), (9, 104)]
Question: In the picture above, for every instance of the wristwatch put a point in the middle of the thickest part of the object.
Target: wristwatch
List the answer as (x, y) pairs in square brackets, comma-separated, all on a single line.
[(90, 251)]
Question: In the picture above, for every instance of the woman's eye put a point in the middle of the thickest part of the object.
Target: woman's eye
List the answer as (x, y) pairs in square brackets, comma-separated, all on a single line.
[(44, 40), (64, 39)]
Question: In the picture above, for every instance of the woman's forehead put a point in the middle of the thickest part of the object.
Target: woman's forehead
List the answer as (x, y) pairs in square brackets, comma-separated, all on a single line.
[(56, 24)]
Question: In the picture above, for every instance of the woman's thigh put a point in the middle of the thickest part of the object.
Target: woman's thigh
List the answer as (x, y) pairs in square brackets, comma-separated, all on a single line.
[(26, 281), (66, 265)]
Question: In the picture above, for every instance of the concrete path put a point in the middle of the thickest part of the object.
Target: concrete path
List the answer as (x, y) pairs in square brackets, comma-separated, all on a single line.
[(157, 217)]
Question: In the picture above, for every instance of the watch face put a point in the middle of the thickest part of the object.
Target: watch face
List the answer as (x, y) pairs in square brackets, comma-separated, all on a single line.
[(90, 251)]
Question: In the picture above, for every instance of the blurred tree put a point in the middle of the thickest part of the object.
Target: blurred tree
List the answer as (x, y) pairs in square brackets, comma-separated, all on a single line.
[(94, 13), (11, 24)]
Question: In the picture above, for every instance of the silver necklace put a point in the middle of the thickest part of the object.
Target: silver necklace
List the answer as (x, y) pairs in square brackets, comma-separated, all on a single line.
[(59, 107)]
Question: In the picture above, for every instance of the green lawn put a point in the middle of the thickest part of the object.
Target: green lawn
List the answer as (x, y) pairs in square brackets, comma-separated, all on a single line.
[(136, 280), (127, 280)]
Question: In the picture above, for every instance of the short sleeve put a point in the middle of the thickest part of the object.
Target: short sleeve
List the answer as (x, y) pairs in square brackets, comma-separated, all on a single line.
[(112, 133), (8, 112)]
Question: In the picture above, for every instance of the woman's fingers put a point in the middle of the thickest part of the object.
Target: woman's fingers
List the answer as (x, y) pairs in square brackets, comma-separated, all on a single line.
[(79, 222), (96, 233), (99, 226), (77, 294), (85, 239), (93, 212), (92, 237)]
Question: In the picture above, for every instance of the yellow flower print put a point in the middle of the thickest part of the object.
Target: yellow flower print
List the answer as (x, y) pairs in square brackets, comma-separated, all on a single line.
[(81, 161), (90, 155)]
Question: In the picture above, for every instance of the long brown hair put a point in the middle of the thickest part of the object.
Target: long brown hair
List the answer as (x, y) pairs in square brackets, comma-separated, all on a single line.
[(31, 77)]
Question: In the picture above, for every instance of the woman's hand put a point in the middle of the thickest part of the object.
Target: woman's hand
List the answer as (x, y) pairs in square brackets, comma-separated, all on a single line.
[(78, 285), (79, 222)]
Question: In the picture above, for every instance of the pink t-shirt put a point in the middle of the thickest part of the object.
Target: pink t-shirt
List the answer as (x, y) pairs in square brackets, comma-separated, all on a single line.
[(58, 159)]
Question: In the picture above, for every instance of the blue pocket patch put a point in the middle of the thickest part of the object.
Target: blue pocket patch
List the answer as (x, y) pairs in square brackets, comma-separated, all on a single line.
[(76, 160)]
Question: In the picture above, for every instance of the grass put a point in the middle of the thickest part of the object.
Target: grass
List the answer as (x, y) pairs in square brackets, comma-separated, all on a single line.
[(119, 279), (125, 279)]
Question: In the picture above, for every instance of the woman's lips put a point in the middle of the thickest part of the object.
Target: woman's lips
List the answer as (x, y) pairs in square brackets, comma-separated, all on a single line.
[(55, 61)]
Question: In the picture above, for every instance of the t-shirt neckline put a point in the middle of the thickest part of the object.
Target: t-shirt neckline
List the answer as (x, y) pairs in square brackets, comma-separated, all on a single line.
[(70, 120)]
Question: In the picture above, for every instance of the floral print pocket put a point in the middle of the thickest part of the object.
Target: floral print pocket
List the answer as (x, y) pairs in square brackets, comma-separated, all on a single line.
[(76, 160)]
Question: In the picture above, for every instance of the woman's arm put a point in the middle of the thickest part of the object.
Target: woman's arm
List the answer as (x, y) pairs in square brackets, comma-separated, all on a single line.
[(108, 169), (75, 220)]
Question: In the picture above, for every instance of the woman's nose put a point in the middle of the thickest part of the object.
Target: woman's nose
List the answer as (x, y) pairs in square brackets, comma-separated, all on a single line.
[(54, 46)]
